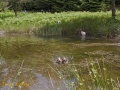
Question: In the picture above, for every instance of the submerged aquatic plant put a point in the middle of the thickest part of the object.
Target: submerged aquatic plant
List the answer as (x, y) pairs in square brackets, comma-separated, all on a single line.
[(96, 79)]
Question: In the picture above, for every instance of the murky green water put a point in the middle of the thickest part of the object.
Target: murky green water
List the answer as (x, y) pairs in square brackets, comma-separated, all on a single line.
[(38, 55)]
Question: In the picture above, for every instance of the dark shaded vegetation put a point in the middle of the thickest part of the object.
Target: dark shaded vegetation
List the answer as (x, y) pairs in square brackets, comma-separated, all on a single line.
[(70, 5), (58, 5)]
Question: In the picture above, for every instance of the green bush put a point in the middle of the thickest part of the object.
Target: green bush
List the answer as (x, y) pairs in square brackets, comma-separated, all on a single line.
[(90, 6), (105, 6)]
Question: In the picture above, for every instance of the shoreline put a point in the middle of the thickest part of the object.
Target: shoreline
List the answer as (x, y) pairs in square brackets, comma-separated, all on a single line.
[(4, 33)]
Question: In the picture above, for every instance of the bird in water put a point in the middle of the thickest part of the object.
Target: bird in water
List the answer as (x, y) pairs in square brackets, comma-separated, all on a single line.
[(59, 60), (62, 60), (83, 33)]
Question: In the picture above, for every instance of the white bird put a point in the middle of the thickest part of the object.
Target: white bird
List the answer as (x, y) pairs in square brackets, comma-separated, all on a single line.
[(83, 33), (59, 21)]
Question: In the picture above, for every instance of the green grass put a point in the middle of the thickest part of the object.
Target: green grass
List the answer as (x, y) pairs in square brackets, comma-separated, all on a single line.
[(97, 23), (95, 76)]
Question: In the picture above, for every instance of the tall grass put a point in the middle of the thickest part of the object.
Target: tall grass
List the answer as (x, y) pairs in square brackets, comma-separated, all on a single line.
[(96, 77), (97, 23), (72, 76)]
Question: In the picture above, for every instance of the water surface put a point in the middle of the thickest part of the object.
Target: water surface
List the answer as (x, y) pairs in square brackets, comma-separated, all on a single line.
[(38, 55)]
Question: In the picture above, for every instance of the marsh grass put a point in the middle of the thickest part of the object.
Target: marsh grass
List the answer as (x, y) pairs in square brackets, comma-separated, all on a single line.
[(13, 82), (96, 77), (64, 23)]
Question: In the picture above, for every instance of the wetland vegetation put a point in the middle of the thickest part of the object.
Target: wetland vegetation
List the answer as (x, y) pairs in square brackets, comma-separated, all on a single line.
[(28, 63), (35, 34), (64, 23)]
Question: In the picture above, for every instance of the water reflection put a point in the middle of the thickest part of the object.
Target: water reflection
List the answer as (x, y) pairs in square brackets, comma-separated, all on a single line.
[(2, 60), (83, 37), (40, 53), (26, 78)]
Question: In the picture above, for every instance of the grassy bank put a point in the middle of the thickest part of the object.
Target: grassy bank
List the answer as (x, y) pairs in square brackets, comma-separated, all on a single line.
[(67, 23)]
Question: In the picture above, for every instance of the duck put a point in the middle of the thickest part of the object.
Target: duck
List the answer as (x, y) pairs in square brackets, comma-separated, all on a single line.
[(59, 60), (83, 33), (62, 60)]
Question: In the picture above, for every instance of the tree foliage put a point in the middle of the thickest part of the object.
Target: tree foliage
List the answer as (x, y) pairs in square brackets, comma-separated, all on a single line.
[(91, 6), (60, 5), (16, 4), (3, 5), (70, 5)]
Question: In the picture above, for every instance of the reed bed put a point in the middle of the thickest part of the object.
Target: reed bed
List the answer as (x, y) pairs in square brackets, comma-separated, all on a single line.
[(64, 23), (92, 77)]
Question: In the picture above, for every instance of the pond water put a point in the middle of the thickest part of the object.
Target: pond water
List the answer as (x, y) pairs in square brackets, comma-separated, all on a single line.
[(28, 62)]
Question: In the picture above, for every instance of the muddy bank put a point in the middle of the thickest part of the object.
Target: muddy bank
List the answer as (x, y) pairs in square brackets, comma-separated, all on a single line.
[(4, 33), (96, 44)]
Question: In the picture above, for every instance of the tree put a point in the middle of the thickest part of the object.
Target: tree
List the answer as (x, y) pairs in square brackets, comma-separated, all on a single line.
[(64, 5), (16, 3), (113, 9), (42, 4), (3, 5), (57, 5)]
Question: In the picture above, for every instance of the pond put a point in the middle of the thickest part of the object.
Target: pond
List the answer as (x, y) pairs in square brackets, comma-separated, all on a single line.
[(29, 62)]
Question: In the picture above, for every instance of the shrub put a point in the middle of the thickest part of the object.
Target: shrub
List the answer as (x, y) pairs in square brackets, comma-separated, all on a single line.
[(90, 6)]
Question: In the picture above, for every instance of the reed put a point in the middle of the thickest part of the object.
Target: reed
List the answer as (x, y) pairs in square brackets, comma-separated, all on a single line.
[(64, 23), (96, 79)]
